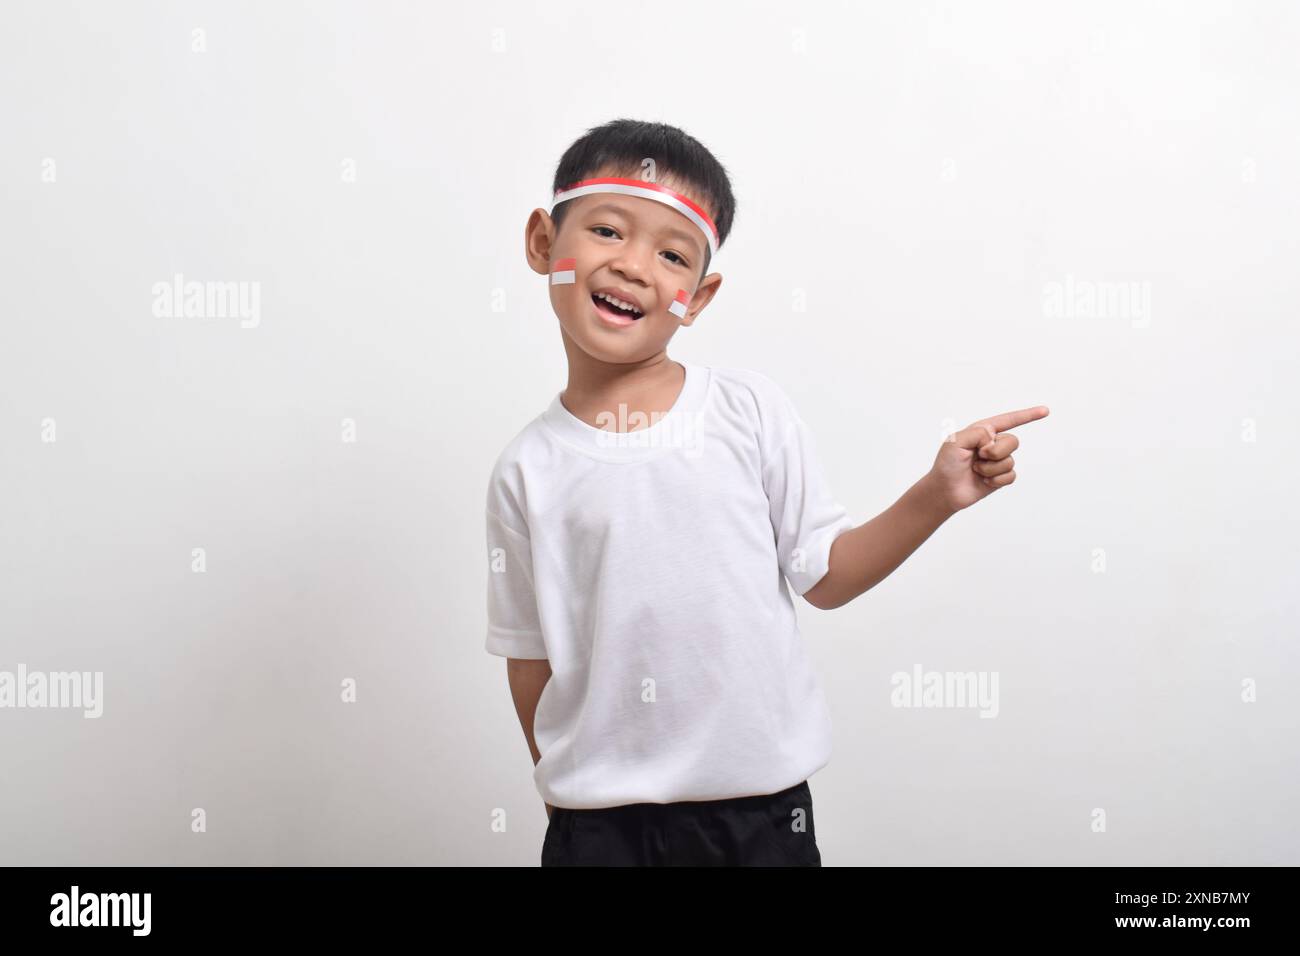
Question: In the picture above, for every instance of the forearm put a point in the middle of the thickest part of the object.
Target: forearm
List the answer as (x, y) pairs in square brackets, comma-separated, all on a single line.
[(527, 680), (862, 557)]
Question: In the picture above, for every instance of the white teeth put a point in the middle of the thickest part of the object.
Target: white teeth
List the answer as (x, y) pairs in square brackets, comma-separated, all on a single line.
[(618, 302)]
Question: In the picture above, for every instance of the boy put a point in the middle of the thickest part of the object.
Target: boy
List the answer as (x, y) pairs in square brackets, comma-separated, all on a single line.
[(642, 529)]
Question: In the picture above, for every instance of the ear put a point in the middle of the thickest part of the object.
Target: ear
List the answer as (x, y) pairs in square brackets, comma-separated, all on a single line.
[(704, 294), (539, 239)]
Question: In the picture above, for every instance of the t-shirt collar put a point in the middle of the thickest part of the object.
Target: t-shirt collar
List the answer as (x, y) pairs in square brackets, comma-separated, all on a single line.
[(679, 427)]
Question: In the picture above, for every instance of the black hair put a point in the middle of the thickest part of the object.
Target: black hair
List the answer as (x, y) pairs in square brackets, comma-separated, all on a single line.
[(621, 145)]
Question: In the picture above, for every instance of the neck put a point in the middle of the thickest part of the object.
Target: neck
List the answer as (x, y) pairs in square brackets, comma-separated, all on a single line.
[(650, 385)]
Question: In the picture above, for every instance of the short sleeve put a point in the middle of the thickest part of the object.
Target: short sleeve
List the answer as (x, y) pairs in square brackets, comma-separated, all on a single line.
[(514, 629), (806, 517)]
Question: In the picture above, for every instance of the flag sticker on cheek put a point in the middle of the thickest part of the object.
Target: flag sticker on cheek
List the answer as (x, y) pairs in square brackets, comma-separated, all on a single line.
[(679, 304), (564, 272)]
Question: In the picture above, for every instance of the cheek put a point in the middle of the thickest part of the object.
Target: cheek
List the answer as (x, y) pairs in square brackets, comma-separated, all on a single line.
[(567, 290), (680, 301), (564, 271)]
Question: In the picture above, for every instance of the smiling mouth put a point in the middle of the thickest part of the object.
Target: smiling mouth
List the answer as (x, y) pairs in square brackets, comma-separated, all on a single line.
[(619, 315)]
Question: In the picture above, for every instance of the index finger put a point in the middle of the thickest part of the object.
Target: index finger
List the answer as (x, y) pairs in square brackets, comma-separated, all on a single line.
[(1009, 420)]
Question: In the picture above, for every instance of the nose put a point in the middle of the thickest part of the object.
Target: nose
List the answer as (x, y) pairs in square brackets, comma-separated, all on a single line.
[(630, 263)]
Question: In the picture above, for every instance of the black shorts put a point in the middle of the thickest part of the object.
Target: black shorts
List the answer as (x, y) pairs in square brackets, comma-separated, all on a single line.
[(774, 829)]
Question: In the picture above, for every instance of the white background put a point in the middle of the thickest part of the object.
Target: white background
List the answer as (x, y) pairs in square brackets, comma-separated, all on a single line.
[(918, 174)]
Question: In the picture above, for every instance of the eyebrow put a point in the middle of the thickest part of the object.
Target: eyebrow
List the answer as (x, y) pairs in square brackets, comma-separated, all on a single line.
[(689, 238)]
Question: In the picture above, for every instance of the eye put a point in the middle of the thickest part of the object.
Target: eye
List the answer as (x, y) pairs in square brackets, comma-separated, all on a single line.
[(678, 260), (606, 228)]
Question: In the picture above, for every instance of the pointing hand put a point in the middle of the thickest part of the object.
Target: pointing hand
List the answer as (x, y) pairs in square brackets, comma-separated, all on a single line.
[(976, 461)]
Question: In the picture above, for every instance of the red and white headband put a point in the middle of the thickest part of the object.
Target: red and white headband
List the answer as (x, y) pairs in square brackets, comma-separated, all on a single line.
[(638, 187)]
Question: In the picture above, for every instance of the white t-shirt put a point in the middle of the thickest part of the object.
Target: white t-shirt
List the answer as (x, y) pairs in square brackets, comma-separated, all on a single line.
[(647, 567)]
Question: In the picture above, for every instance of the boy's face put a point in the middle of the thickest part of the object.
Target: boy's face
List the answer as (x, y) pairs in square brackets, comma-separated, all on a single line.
[(639, 251)]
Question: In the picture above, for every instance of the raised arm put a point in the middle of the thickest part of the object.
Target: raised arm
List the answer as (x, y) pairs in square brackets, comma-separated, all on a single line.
[(864, 556), (971, 465)]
